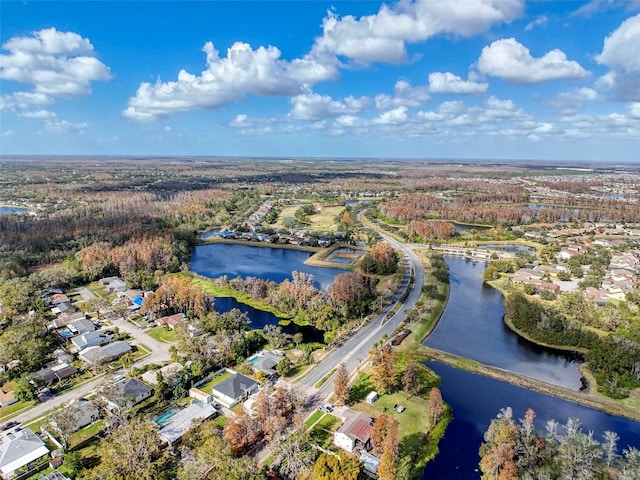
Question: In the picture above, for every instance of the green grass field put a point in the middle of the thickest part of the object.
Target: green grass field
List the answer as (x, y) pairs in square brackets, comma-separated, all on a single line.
[(162, 334), (412, 421), (323, 220)]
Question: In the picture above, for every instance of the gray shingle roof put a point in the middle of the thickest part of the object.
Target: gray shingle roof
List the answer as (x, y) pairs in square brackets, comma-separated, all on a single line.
[(235, 386)]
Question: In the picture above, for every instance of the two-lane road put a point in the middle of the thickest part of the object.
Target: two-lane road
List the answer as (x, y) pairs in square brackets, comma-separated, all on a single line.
[(356, 349)]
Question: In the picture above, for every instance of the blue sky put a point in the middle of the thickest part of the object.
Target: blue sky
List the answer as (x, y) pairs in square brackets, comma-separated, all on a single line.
[(421, 79)]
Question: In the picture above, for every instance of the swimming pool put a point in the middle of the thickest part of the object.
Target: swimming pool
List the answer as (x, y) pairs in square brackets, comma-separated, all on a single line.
[(253, 359), (164, 417), (137, 301)]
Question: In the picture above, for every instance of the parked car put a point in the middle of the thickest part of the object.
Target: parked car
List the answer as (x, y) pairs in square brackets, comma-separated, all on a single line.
[(9, 425), (174, 453)]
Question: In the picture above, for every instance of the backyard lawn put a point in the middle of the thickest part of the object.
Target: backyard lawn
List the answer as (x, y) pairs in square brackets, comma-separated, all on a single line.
[(206, 387), (322, 433), (413, 420)]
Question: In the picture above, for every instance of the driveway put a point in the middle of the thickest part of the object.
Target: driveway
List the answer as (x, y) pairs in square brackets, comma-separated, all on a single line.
[(159, 350)]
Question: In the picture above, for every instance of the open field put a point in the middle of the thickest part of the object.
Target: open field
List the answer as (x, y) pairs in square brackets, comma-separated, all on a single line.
[(323, 220)]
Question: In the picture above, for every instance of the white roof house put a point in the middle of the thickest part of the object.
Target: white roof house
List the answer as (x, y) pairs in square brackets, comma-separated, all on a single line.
[(176, 426), (19, 449), (90, 339)]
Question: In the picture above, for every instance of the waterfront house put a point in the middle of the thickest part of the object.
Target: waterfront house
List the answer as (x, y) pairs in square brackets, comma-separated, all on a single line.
[(354, 435)]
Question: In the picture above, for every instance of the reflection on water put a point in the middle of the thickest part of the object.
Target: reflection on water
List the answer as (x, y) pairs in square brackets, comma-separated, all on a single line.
[(472, 326), (275, 264)]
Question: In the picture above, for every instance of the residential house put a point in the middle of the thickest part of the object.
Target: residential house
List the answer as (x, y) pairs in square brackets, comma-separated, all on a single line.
[(55, 475), (106, 353), (114, 284), (234, 389), (66, 318), (354, 435), (126, 393), (19, 450), (90, 339), (81, 326), (55, 372), (7, 397), (598, 297), (169, 374), (58, 298), (266, 362), (172, 320), (200, 395), (83, 412), (64, 307), (371, 464), (177, 425)]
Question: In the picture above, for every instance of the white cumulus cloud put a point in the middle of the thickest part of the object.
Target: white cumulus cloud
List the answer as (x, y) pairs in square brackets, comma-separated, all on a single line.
[(621, 53), (405, 95), (55, 63), (243, 71), (382, 37), (510, 60), (311, 106), (449, 83), (392, 117)]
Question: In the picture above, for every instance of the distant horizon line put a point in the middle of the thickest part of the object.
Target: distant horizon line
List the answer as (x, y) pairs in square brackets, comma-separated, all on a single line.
[(41, 156)]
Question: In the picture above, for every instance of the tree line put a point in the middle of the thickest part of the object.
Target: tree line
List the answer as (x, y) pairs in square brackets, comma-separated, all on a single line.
[(515, 450)]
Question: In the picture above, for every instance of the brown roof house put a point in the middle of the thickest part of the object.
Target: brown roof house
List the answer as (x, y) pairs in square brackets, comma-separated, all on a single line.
[(354, 435)]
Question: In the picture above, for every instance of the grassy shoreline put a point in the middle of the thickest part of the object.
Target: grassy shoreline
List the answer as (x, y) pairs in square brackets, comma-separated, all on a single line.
[(211, 288)]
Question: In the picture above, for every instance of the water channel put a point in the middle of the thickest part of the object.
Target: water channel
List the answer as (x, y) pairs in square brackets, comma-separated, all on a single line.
[(472, 327), (476, 399)]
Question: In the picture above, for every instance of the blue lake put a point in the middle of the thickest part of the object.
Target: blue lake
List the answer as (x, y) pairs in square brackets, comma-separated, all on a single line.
[(472, 326), (476, 399), (276, 264), (260, 319)]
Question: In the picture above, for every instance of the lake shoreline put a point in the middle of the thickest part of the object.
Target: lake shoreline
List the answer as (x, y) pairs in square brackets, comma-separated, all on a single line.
[(585, 399)]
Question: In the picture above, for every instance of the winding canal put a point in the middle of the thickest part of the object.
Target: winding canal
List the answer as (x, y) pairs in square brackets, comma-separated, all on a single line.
[(472, 326)]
